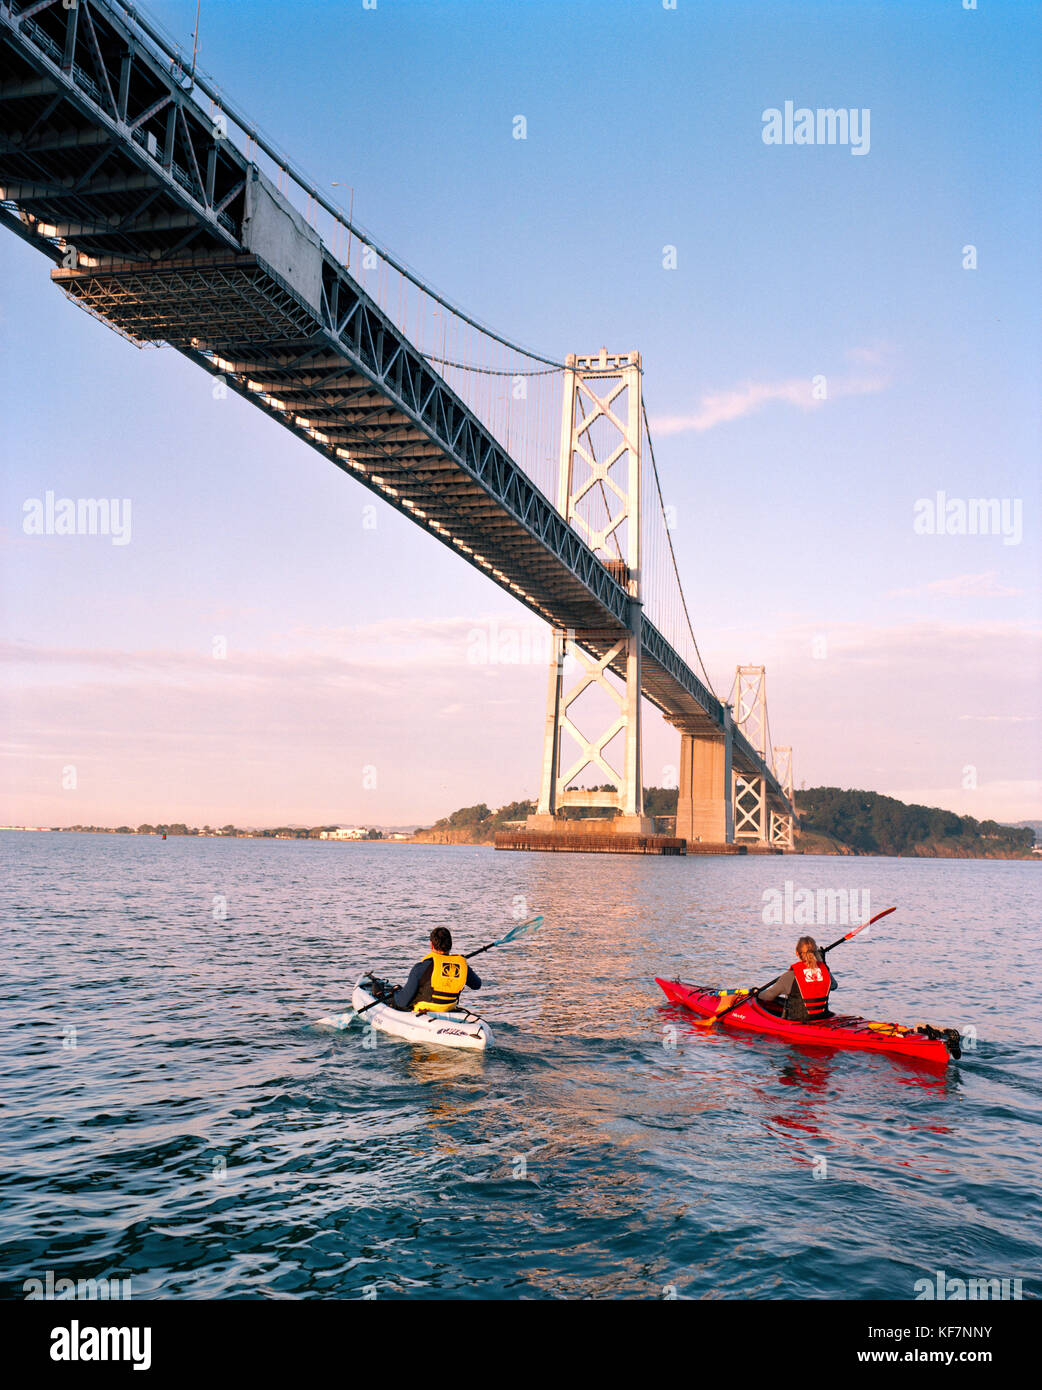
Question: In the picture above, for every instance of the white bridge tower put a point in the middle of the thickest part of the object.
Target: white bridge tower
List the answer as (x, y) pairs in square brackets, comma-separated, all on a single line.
[(599, 489)]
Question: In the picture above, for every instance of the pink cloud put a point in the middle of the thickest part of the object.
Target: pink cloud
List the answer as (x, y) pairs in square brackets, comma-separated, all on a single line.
[(721, 407)]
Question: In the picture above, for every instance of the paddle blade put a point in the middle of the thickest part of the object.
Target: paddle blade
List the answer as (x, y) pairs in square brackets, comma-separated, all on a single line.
[(727, 1003), (861, 927), (877, 918), (522, 928)]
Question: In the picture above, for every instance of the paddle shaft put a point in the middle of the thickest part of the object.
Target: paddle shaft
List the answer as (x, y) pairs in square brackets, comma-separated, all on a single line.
[(510, 936), (366, 1008), (481, 950), (744, 998)]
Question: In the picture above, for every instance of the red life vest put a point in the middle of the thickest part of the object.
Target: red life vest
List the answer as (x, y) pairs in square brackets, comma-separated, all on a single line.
[(813, 983)]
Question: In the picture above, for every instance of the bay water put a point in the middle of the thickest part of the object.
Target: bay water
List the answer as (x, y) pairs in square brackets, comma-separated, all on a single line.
[(173, 1116)]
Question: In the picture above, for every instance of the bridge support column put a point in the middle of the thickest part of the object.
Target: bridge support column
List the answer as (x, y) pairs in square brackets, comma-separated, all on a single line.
[(781, 830), (626, 799), (599, 491), (783, 825), (704, 808), (749, 700), (750, 809)]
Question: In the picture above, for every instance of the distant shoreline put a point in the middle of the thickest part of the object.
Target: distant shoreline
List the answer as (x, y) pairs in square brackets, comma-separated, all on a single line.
[(389, 838), (810, 847)]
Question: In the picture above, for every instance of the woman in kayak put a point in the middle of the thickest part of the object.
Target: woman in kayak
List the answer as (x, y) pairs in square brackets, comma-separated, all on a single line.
[(436, 982), (805, 985)]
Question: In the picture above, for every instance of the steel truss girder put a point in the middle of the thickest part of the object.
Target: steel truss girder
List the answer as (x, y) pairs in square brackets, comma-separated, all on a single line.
[(96, 102), (422, 394), (657, 649)]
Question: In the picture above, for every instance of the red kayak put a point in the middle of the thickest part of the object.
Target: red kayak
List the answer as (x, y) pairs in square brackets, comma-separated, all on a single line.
[(933, 1045)]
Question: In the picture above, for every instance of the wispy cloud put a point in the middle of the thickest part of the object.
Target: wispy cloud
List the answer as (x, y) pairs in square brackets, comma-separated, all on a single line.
[(1001, 718), (949, 649), (874, 356), (406, 630), (264, 737), (370, 651), (985, 585), (735, 402)]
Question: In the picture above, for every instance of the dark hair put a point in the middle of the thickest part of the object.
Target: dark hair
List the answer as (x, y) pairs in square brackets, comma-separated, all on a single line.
[(441, 940)]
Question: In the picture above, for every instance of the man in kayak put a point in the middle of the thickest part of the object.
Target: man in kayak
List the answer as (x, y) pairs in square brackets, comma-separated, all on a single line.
[(436, 982), (805, 985)]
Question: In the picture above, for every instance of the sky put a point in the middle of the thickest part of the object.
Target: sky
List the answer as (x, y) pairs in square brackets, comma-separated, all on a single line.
[(906, 275)]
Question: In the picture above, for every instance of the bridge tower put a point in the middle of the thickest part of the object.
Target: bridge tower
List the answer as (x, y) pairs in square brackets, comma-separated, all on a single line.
[(782, 826), (752, 819), (599, 490)]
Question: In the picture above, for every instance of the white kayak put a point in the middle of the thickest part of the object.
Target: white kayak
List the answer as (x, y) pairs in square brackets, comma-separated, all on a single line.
[(461, 1028)]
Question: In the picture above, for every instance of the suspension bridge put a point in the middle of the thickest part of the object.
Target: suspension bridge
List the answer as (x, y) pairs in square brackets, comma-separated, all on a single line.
[(173, 220)]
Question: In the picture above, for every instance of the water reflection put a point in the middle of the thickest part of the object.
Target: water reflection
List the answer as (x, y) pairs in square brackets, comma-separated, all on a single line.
[(820, 1086)]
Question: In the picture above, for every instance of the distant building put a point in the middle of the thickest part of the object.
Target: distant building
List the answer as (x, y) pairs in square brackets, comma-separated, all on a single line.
[(344, 832)]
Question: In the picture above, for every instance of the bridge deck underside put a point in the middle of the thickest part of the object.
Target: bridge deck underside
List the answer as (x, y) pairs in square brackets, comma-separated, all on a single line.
[(242, 321), (236, 316)]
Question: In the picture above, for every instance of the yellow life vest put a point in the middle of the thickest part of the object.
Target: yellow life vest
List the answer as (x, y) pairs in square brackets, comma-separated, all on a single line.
[(440, 994)]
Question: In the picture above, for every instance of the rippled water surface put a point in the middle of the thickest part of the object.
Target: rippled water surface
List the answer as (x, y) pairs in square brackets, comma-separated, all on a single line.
[(172, 1114)]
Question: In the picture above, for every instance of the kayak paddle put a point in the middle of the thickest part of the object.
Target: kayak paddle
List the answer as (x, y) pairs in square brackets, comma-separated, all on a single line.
[(885, 913), (532, 924), (744, 998)]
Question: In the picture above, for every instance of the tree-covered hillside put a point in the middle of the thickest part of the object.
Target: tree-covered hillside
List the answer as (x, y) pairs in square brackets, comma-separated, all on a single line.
[(832, 821), (874, 824)]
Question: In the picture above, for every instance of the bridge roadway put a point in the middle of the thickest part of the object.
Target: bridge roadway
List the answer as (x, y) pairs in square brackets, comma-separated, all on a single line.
[(179, 238)]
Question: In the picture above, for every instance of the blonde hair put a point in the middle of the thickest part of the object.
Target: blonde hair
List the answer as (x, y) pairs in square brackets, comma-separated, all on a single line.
[(804, 942)]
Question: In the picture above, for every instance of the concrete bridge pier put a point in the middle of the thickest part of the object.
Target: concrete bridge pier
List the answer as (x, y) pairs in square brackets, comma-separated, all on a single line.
[(705, 811)]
